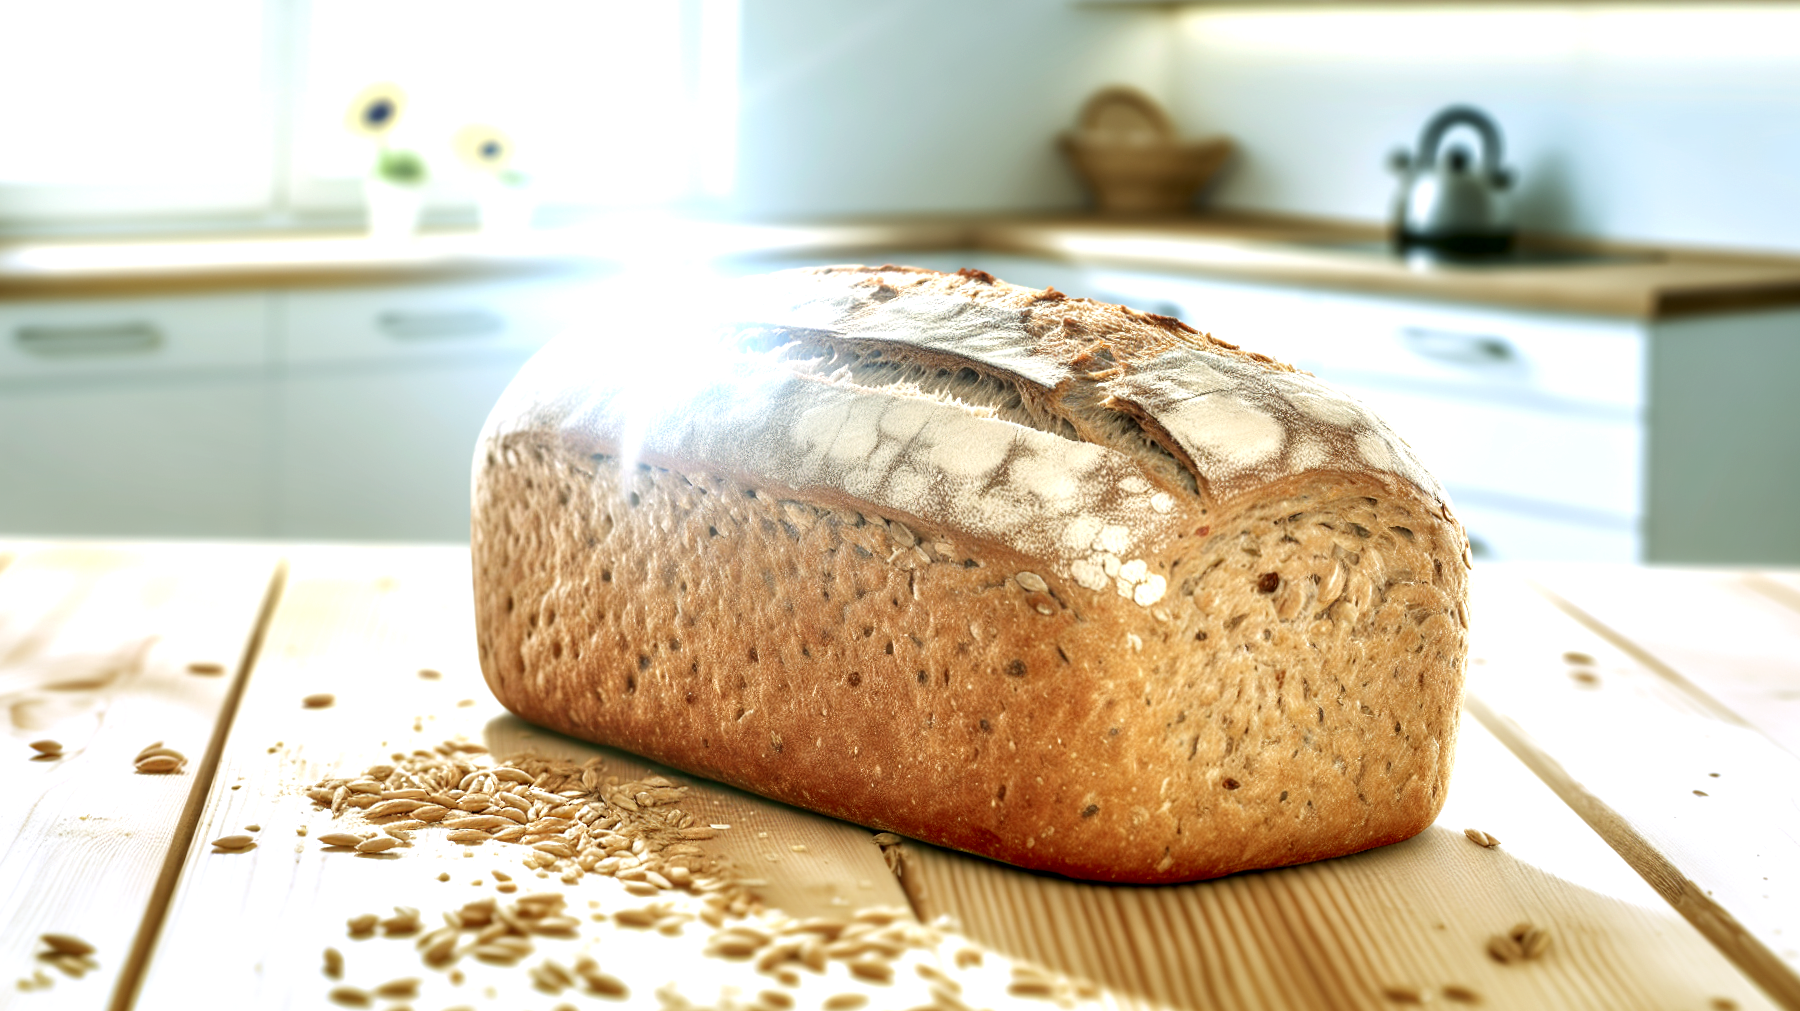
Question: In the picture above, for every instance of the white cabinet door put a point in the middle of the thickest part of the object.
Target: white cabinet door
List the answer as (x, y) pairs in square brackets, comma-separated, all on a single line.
[(135, 417), (156, 457), (383, 452)]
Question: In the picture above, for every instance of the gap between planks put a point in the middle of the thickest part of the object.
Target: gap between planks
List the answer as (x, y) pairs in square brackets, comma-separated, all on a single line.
[(132, 972)]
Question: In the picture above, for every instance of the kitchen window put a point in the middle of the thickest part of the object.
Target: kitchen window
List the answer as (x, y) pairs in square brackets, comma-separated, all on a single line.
[(196, 114)]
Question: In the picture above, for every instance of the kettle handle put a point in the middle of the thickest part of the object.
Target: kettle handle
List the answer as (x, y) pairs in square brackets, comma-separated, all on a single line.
[(1461, 115)]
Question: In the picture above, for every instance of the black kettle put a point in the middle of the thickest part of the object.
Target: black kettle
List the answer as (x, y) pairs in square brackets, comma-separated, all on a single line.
[(1448, 205)]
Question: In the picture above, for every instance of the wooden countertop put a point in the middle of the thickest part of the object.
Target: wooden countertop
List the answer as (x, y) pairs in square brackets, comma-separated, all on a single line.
[(1631, 740), (1642, 283)]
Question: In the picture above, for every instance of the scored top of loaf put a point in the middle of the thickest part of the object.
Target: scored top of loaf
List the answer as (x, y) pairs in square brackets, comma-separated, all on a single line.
[(1081, 433)]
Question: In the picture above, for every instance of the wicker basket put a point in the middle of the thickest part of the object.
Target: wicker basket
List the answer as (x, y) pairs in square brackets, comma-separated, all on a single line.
[(1126, 150)]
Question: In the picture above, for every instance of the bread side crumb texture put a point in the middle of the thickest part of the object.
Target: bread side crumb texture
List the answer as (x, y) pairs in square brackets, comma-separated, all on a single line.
[(1158, 656)]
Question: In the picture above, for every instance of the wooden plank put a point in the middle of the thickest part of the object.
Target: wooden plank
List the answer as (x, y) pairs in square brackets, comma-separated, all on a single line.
[(1409, 921), (361, 624), (1706, 807), (1725, 635), (95, 647)]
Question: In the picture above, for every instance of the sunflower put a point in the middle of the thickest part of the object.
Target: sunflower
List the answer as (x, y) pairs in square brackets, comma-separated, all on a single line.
[(376, 110), (484, 148)]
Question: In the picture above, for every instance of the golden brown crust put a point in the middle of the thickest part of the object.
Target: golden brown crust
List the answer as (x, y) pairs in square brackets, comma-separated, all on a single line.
[(1294, 697)]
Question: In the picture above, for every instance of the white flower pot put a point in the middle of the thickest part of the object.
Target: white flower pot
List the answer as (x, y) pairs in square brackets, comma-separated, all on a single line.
[(393, 211)]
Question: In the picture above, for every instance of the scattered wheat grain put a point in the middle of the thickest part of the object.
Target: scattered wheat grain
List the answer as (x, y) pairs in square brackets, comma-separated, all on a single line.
[(159, 765), (67, 944), (397, 989), (872, 970), (1480, 838)]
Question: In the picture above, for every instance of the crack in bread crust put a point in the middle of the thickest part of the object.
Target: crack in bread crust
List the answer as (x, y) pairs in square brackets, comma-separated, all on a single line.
[(1294, 695)]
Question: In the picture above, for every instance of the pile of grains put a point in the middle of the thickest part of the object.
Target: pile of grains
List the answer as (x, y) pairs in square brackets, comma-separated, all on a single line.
[(158, 760), (575, 818), (1522, 943)]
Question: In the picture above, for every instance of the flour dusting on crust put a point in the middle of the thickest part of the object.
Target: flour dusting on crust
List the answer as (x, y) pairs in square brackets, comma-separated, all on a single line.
[(1091, 505)]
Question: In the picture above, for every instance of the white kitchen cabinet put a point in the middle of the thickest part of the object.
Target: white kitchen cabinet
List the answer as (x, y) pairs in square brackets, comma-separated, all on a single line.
[(135, 417), (346, 413), (383, 392)]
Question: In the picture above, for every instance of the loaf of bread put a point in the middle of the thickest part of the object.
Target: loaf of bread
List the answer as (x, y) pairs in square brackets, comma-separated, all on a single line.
[(1052, 581)]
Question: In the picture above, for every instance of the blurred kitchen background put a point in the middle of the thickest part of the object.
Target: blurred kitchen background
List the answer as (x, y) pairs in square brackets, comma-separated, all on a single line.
[(241, 297)]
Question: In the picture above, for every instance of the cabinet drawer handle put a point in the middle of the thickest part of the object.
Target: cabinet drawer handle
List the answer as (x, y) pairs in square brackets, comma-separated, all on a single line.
[(76, 341), (1471, 350), (408, 326)]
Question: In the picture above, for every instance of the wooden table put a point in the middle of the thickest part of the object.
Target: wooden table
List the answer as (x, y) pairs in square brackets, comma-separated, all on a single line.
[(1632, 742)]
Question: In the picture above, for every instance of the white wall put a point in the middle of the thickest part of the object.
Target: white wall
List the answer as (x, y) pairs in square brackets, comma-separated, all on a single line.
[(1665, 123), (1678, 124), (925, 105)]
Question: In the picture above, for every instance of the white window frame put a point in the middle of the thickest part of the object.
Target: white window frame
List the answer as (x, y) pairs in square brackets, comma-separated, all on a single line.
[(285, 199)]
